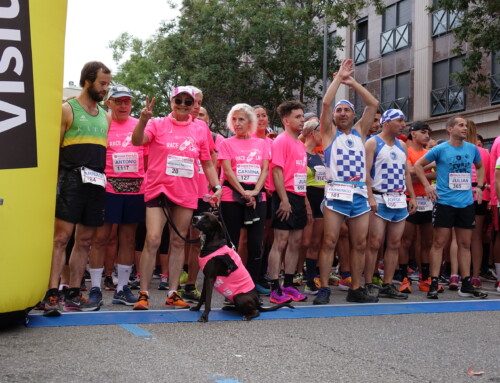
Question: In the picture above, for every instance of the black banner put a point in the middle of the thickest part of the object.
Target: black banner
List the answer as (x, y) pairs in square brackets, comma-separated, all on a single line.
[(17, 104)]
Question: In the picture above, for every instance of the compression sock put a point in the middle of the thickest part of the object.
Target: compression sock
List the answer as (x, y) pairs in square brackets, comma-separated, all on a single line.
[(95, 277), (123, 276)]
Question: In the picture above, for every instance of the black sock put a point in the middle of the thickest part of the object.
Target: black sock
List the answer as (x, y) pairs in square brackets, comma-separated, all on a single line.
[(72, 292), (288, 280), (404, 270), (275, 284), (425, 271), (52, 293), (189, 287), (434, 282), (310, 270), (466, 281)]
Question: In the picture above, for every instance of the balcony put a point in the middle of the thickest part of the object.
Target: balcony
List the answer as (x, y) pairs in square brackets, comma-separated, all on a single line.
[(402, 103), (495, 89), (360, 55), (447, 100), (395, 39), (443, 22)]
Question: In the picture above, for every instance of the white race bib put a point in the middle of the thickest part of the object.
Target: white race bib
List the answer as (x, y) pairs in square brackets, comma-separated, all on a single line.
[(90, 176), (339, 191), (249, 173), (394, 200), (125, 162), (459, 181), (179, 166), (424, 204), (299, 182), (320, 173)]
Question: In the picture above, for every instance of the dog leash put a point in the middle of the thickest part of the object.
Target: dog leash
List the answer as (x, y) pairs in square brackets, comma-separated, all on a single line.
[(166, 211)]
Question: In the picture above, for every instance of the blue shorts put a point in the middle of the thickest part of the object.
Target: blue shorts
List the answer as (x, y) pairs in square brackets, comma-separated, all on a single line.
[(357, 207), (124, 208), (391, 215)]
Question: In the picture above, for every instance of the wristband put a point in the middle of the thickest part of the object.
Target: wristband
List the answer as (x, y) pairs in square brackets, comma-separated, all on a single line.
[(216, 187)]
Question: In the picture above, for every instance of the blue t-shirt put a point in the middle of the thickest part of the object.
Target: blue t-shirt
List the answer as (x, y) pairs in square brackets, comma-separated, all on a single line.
[(450, 159)]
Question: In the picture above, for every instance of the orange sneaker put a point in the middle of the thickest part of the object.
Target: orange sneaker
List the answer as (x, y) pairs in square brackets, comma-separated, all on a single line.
[(142, 303), (345, 283), (175, 301), (405, 286), (426, 285)]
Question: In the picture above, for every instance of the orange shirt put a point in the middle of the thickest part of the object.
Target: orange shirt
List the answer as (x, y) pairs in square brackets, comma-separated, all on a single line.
[(413, 156)]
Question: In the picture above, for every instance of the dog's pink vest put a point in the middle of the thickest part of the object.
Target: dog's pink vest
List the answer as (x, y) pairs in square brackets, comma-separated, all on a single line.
[(239, 281)]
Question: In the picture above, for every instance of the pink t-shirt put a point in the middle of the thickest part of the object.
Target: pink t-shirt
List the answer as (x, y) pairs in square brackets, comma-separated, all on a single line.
[(494, 154), (174, 148), (246, 158), (290, 155), (202, 178), (124, 160), (239, 281), (485, 159)]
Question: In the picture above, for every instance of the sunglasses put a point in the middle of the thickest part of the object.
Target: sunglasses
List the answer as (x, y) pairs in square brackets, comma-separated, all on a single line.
[(178, 101)]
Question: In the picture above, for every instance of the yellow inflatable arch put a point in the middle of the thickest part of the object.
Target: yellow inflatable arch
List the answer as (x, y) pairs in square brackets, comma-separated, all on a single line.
[(31, 76)]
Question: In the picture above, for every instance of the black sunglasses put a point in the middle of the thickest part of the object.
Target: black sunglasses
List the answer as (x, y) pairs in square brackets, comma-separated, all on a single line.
[(178, 101)]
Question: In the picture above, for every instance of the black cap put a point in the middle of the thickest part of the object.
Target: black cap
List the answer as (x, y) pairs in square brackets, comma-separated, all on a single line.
[(418, 125)]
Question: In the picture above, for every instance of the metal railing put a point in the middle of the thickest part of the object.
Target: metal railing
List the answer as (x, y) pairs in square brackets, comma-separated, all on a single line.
[(395, 39), (447, 100)]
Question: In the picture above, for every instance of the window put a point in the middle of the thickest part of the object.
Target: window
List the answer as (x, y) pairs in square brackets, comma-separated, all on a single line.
[(359, 105), (396, 93), (446, 96), (360, 55), (495, 78), (443, 22), (396, 27)]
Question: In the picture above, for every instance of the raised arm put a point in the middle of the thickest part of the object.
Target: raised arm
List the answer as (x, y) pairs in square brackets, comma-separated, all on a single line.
[(138, 137), (366, 121)]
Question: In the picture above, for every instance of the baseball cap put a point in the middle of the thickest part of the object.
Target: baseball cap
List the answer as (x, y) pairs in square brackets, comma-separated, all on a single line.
[(182, 89), (419, 125), (118, 91)]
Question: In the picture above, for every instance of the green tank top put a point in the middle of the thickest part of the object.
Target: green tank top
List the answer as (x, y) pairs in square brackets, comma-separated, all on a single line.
[(85, 142)]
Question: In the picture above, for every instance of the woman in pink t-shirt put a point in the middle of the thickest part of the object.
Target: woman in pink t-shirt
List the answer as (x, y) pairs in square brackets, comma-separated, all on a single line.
[(245, 161), (175, 143)]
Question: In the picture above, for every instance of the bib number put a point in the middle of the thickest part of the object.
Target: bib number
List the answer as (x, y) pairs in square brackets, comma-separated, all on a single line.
[(178, 166), (90, 176), (299, 182), (339, 191), (320, 173), (249, 173), (459, 181), (394, 200), (125, 162), (424, 204)]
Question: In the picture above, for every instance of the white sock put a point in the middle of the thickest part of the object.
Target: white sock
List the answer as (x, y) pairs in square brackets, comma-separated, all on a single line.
[(96, 276), (62, 286), (171, 292), (497, 268), (123, 276)]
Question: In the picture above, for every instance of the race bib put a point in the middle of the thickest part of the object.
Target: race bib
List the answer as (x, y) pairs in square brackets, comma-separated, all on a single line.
[(459, 181), (125, 162), (200, 168), (248, 172), (394, 200), (339, 191), (299, 182), (179, 166), (320, 173), (424, 204), (90, 176)]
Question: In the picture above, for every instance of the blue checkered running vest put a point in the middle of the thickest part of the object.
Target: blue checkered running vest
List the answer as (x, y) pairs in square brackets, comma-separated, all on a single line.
[(388, 169)]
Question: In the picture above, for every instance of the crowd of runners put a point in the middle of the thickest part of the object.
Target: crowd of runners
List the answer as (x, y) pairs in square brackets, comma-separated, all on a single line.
[(329, 201)]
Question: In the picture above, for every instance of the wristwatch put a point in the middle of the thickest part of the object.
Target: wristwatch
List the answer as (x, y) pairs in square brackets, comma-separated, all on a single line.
[(482, 187), (216, 187)]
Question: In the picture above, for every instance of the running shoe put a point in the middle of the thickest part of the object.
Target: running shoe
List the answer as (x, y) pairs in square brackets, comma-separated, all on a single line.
[(372, 289), (124, 297), (405, 286), (360, 295), (432, 293), (163, 282), (333, 279), (52, 306), (487, 276), (323, 296), (311, 289), (157, 272), (86, 275), (376, 280), (80, 303), (262, 290), (297, 279), (317, 282), (397, 278), (175, 301), (476, 282), (444, 280), (425, 286), (193, 295), (454, 282), (95, 296), (468, 290), (136, 283), (498, 286), (83, 286), (390, 291), (184, 277), (277, 296), (345, 283), (293, 293), (143, 301), (108, 283)]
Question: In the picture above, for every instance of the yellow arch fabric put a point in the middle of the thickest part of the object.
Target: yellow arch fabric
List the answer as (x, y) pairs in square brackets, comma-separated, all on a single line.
[(29, 145)]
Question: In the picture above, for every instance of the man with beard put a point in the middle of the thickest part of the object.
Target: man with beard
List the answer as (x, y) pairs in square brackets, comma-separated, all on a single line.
[(80, 188)]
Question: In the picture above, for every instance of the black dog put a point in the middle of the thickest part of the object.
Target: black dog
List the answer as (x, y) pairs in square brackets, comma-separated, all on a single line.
[(225, 264)]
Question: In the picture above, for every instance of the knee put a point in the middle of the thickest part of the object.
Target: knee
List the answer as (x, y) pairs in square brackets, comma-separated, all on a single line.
[(153, 241), (329, 244), (360, 245), (83, 243)]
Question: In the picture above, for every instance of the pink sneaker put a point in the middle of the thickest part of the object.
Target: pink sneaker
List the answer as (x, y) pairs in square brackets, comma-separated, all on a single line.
[(293, 293), (476, 282), (454, 282), (278, 298)]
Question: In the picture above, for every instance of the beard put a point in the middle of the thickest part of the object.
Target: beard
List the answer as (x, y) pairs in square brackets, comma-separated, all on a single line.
[(94, 94)]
